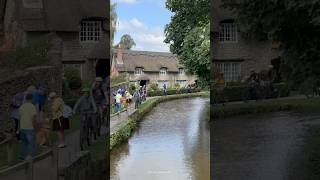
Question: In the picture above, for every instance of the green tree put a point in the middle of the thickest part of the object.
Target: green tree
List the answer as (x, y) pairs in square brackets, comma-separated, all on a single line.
[(188, 35), (127, 42), (293, 23), (113, 21)]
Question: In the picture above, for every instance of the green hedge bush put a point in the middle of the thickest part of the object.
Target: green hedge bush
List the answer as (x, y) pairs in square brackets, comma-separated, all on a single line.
[(236, 93), (73, 78), (172, 92)]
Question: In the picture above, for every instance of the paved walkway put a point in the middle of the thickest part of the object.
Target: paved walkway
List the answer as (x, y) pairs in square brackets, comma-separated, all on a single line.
[(43, 168), (117, 120)]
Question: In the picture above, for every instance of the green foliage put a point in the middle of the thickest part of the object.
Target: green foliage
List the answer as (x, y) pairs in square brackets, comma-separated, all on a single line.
[(293, 23), (305, 106), (127, 42), (236, 93), (113, 21), (72, 76), (188, 35), (133, 88), (34, 53), (121, 78), (153, 87), (172, 92)]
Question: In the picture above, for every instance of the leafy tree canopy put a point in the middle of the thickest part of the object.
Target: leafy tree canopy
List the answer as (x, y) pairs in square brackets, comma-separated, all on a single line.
[(127, 42), (113, 21), (189, 36)]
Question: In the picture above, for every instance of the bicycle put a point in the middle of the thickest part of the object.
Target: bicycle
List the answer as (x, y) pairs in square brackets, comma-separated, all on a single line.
[(85, 130)]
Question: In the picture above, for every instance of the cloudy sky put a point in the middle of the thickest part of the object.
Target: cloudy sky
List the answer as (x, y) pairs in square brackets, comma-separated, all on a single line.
[(144, 21)]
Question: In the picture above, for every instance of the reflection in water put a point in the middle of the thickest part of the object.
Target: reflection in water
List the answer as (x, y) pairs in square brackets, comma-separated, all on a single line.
[(171, 143)]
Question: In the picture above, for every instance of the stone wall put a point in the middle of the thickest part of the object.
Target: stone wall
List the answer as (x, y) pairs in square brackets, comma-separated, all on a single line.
[(50, 75)]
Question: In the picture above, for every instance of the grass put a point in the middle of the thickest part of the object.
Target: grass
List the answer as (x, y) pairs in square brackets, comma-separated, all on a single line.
[(308, 106), (126, 130)]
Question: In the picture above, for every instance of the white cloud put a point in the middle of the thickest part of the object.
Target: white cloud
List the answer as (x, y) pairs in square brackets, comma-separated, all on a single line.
[(125, 1), (146, 38)]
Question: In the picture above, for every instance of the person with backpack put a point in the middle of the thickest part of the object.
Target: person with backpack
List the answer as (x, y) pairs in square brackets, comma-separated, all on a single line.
[(60, 124), (136, 98)]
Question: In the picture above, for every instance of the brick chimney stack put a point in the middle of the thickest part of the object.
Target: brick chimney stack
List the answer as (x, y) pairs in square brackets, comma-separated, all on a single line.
[(119, 55)]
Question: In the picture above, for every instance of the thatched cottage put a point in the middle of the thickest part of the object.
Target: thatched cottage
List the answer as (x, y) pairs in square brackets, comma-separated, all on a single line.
[(145, 67), (82, 26), (234, 55)]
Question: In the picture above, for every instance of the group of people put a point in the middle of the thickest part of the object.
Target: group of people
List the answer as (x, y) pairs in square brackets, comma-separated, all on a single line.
[(36, 112), (123, 98), (261, 84), (32, 122)]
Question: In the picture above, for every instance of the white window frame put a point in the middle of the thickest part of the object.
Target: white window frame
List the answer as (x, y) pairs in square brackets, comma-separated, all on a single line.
[(231, 70), (228, 33), (163, 71), (182, 83), (138, 71), (90, 31), (181, 71), (161, 83)]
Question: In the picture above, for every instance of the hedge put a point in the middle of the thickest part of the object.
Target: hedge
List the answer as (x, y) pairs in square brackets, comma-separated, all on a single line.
[(305, 106), (172, 92), (236, 93)]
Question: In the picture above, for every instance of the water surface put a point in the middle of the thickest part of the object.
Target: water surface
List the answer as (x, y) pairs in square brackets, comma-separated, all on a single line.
[(171, 143)]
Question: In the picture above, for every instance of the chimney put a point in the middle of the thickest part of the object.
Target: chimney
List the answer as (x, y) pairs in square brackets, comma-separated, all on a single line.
[(119, 55)]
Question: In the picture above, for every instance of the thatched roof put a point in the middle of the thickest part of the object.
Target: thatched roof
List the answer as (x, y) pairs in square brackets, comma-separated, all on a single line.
[(59, 15), (149, 61)]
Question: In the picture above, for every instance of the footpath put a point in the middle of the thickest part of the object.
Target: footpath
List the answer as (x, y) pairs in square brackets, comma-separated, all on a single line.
[(117, 120), (43, 169)]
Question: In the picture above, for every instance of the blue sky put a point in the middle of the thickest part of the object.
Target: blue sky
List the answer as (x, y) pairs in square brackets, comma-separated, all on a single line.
[(144, 21)]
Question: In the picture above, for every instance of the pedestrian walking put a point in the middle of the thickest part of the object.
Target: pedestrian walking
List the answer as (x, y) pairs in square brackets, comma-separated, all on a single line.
[(136, 98), (118, 101), (28, 127), (60, 124), (17, 102), (165, 89)]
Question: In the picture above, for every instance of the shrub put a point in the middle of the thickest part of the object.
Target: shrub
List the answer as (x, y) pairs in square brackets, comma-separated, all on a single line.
[(172, 91), (153, 87), (236, 93), (121, 78), (73, 78), (132, 88)]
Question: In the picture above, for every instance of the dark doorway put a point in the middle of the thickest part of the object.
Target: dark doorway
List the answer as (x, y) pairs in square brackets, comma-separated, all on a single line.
[(102, 68), (276, 65), (143, 82)]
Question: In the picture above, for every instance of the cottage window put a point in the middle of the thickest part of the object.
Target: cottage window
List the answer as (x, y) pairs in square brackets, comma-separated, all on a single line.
[(231, 70), (228, 32), (90, 31), (138, 71), (182, 83), (163, 71), (161, 83), (181, 71)]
